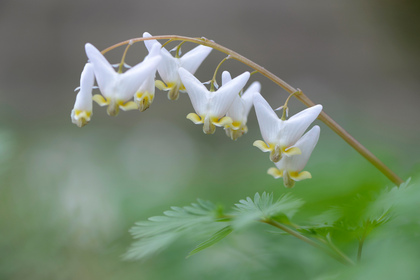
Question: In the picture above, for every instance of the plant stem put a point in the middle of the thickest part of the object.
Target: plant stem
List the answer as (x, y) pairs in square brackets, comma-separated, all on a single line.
[(359, 251), (338, 251), (299, 95), (337, 254), (361, 242)]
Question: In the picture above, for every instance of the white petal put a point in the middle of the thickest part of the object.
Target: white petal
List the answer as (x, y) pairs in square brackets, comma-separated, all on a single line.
[(130, 81), (148, 85), (104, 73), (84, 97), (282, 164), (226, 77), (295, 126), (168, 67), (268, 120), (196, 91), (237, 110), (248, 96), (306, 144), (193, 59), (223, 98), (150, 43), (155, 51)]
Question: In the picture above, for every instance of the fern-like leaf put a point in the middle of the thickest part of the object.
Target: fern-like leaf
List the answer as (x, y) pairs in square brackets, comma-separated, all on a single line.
[(212, 240), (264, 207), (159, 232)]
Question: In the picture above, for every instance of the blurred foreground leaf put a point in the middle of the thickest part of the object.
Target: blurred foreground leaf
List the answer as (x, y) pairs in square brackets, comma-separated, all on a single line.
[(160, 231), (212, 240), (202, 218)]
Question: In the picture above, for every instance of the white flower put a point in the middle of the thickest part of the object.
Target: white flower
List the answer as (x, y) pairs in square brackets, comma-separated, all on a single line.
[(168, 68), (82, 111), (280, 136), (239, 110), (290, 168), (146, 93), (211, 107), (118, 88)]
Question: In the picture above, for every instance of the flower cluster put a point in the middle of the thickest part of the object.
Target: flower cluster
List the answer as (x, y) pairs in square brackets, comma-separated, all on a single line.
[(227, 106), (289, 150)]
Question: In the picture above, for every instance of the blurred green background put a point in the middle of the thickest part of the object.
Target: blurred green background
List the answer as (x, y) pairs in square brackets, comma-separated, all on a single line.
[(70, 195)]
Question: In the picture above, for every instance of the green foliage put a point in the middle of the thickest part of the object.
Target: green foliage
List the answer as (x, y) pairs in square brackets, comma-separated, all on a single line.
[(160, 231), (202, 218), (359, 217), (212, 240), (263, 207)]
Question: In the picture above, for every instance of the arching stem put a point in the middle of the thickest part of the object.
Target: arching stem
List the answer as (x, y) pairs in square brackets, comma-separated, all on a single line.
[(300, 96)]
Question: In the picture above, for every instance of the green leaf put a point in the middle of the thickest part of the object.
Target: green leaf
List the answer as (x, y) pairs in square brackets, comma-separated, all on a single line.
[(264, 207), (158, 232), (212, 240), (322, 224), (379, 210)]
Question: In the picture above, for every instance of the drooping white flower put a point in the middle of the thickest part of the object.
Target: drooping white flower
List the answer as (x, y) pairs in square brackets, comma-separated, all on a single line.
[(82, 111), (118, 88), (168, 68), (239, 110), (211, 107), (290, 168), (146, 93), (280, 136)]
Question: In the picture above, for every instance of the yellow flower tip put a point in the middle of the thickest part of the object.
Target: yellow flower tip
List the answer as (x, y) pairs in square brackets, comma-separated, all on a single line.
[(143, 100), (195, 118), (288, 181), (225, 121), (300, 176), (291, 151), (128, 106), (144, 105), (275, 172), (100, 100), (235, 134), (208, 127), (244, 129), (275, 155), (80, 118), (160, 85), (291, 177), (173, 93), (173, 89), (113, 109), (236, 125), (262, 146)]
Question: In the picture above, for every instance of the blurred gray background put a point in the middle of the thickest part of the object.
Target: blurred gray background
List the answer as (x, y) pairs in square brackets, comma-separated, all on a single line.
[(358, 56), (70, 194)]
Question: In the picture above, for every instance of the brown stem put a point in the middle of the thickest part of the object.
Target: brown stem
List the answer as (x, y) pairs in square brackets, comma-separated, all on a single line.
[(300, 96)]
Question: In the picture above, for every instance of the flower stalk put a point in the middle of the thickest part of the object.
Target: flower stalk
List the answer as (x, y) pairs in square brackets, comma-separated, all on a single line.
[(291, 90), (213, 80)]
